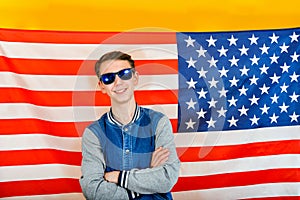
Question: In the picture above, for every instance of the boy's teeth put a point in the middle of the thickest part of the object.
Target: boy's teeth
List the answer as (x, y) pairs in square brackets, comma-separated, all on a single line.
[(120, 91)]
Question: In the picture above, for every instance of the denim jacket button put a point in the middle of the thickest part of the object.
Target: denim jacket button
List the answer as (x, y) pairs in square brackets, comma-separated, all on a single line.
[(127, 151)]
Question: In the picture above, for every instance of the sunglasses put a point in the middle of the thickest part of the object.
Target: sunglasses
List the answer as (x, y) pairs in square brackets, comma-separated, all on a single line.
[(124, 74)]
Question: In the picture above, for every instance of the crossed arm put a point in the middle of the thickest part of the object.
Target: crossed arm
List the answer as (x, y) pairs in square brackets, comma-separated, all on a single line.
[(159, 157)]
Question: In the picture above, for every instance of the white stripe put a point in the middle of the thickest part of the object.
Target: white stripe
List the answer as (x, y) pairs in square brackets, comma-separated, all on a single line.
[(122, 179), (65, 196), (51, 171), (69, 113), (242, 192), (79, 83), (44, 141), (38, 172), (85, 51), (223, 138), (39, 141), (206, 168), (126, 179)]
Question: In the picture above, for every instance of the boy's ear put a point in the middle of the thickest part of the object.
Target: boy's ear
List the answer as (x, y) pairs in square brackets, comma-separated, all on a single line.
[(136, 77), (101, 86)]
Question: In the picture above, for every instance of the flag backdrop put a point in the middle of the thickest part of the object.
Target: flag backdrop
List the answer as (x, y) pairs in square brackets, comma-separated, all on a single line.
[(233, 99)]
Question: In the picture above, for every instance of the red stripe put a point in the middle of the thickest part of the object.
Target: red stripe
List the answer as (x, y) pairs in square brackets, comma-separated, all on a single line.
[(39, 187), (80, 67), (88, 37), (24, 157), (237, 179), (27, 126), (39, 156), (63, 129), (174, 123), (196, 154), (157, 67), (78, 98)]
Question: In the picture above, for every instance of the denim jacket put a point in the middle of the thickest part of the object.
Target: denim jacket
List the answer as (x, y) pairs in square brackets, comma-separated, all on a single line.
[(128, 149)]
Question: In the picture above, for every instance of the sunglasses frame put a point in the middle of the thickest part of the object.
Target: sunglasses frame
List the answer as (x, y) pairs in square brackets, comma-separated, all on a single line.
[(112, 75)]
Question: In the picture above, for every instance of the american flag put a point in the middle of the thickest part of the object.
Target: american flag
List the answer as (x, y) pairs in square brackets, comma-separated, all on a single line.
[(233, 100)]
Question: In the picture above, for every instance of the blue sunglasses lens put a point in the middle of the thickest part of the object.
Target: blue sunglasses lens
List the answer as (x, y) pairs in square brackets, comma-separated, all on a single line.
[(124, 74)]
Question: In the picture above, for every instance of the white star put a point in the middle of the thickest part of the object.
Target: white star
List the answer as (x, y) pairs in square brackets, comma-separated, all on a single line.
[(244, 50), (243, 91), (222, 112), (294, 37), (285, 68), (232, 41), (254, 120), (264, 109), (211, 41), (212, 103), (264, 69), (275, 78), (283, 108), (234, 61), (294, 97), (191, 83), (213, 83), (264, 49), (190, 42), (294, 117), (191, 104), (201, 113), (264, 89), (232, 122), (191, 62), (223, 72), (211, 123), (254, 100), (294, 77), (223, 92), (274, 118), (253, 39), (274, 59), (190, 124), (201, 52), (295, 57), (284, 88), (212, 62), (202, 93), (232, 101), (233, 81), (253, 80), (274, 38), (254, 60), (243, 111), (202, 73), (222, 52), (284, 48), (244, 71), (274, 98)]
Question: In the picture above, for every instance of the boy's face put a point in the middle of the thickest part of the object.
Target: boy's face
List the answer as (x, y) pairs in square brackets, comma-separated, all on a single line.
[(120, 91)]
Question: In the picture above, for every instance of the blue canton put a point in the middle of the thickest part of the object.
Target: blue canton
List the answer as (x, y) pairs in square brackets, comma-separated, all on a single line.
[(238, 80)]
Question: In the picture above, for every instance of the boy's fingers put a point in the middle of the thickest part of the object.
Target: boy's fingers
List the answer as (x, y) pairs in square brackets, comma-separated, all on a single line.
[(159, 157)]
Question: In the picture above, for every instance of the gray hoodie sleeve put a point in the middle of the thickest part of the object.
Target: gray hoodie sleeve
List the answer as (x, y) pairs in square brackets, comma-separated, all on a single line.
[(158, 179), (92, 181)]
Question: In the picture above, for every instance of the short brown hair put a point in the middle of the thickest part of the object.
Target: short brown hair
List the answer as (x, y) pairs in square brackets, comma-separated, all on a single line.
[(114, 55)]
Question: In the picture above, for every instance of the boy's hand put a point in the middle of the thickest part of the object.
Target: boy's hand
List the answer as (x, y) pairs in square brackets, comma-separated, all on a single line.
[(159, 157), (112, 176)]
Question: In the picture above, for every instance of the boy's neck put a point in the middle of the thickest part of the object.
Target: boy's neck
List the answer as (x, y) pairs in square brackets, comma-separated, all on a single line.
[(124, 112)]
